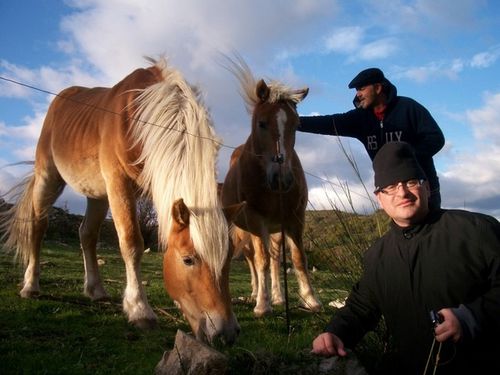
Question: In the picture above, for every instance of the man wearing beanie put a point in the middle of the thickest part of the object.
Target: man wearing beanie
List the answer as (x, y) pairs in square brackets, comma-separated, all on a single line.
[(434, 278), (381, 116)]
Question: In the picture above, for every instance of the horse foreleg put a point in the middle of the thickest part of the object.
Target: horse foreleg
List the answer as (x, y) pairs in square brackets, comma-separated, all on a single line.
[(261, 257), (250, 258), (123, 208), (275, 251), (306, 292), (89, 233), (242, 242)]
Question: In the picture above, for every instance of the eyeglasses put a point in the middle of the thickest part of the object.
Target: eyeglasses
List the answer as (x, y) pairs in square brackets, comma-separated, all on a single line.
[(392, 189)]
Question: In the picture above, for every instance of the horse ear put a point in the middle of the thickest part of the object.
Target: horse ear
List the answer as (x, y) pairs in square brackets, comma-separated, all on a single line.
[(180, 214), (262, 91), (301, 94), (230, 212)]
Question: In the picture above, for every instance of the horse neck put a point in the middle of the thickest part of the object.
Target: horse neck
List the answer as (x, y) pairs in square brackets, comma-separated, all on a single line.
[(178, 156)]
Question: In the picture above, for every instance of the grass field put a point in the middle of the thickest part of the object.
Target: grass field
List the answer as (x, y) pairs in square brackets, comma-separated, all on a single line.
[(62, 332)]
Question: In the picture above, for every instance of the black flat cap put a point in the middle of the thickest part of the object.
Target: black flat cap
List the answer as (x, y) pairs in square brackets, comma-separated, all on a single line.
[(367, 77), (396, 162)]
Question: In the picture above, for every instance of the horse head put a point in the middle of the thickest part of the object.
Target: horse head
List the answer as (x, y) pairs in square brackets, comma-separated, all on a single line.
[(203, 298), (274, 123)]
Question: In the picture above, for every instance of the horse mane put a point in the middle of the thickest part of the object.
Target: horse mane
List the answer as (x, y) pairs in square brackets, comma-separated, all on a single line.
[(179, 151), (278, 90)]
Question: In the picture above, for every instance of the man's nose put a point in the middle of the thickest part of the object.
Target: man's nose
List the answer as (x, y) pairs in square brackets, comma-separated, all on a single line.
[(404, 188)]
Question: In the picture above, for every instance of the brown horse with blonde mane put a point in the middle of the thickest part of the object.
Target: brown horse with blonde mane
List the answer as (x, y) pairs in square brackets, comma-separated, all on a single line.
[(148, 135), (266, 173)]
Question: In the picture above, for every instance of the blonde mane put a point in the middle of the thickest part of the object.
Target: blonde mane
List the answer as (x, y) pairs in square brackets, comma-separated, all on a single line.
[(179, 151), (278, 91)]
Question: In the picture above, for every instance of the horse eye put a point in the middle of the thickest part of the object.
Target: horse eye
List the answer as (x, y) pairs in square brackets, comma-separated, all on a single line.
[(188, 260), (262, 125)]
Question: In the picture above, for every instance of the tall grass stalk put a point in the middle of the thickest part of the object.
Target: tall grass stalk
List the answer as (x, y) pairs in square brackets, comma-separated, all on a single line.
[(337, 239)]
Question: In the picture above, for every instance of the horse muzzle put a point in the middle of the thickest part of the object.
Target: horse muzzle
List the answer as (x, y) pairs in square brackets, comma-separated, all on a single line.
[(214, 331)]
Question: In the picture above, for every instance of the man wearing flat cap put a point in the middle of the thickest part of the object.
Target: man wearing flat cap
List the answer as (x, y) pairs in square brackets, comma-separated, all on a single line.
[(381, 116), (434, 277)]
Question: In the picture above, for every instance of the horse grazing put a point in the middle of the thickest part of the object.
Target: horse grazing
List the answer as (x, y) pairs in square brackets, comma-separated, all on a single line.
[(266, 173), (149, 134)]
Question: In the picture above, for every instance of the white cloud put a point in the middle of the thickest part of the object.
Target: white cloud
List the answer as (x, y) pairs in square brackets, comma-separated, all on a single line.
[(475, 173), (114, 35), (485, 121), (485, 59), (435, 69), (352, 41), (342, 196), (345, 39), (380, 49), (13, 72), (42, 80), (451, 68), (29, 131)]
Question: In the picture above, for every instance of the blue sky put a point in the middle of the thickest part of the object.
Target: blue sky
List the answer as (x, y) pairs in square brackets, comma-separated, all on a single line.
[(443, 53)]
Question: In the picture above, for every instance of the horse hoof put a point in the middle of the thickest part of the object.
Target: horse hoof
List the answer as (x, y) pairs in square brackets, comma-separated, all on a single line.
[(145, 324), (105, 298), (312, 308), (29, 293), (261, 313), (96, 294)]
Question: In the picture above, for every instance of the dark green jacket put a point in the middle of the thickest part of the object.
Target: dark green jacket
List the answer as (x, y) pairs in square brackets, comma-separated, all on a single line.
[(451, 259)]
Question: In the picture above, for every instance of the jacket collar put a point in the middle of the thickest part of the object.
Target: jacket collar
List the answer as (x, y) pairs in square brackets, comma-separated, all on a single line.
[(413, 230)]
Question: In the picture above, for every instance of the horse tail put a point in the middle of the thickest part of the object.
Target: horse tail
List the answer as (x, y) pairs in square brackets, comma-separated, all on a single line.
[(16, 223)]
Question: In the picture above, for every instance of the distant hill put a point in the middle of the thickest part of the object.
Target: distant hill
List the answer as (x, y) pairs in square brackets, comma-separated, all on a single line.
[(63, 227), (327, 232)]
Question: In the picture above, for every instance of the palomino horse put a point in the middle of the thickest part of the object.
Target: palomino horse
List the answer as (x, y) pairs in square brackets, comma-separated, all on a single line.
[(266, 173), (149, 134)]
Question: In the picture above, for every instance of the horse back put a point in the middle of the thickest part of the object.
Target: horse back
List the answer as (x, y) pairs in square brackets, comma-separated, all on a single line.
[(87, 129)]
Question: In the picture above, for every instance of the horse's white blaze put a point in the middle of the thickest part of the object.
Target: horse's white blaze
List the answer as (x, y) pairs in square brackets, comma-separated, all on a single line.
[(281, 120)]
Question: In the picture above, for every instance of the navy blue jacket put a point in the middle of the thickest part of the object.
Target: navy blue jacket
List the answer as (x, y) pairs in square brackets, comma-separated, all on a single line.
[(451, 259), (405, 120)]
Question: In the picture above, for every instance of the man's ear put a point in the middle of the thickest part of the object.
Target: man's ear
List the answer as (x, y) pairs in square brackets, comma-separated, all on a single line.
[(377, 195)]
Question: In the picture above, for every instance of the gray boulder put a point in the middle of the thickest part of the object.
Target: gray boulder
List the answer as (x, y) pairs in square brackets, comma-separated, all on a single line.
[(191, 357)]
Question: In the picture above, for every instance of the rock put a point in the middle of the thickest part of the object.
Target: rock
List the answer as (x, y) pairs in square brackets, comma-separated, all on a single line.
[(191, 357), (338, 303), (349, 365)]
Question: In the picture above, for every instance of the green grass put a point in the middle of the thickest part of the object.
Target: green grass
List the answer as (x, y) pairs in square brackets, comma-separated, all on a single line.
[(62, 332)]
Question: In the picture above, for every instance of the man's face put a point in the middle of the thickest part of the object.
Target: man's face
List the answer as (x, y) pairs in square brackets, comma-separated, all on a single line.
[(407, 205), (369, 95)]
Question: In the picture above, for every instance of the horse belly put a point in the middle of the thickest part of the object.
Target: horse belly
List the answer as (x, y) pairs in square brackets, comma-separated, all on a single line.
[(83, 175), (258, 220)]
